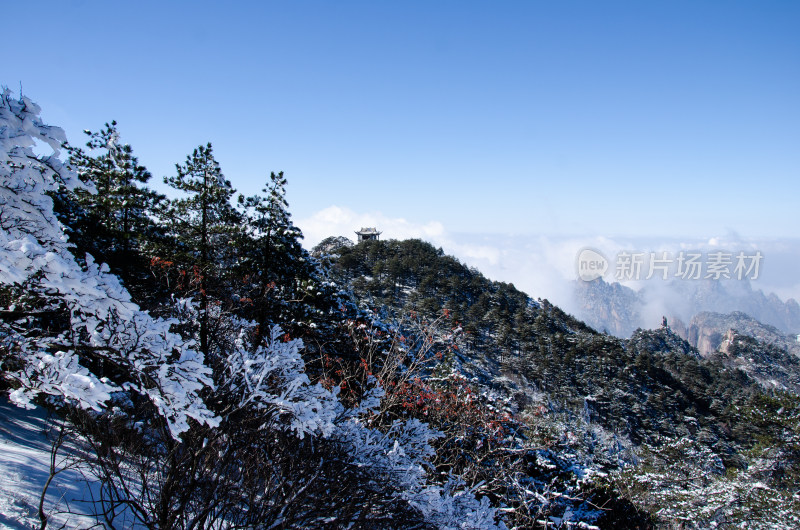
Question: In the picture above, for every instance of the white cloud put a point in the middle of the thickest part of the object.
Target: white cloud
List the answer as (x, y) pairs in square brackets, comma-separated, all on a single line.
[(338, 221)]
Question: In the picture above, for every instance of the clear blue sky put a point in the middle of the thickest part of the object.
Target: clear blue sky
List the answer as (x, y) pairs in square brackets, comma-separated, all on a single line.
[(593, 118)]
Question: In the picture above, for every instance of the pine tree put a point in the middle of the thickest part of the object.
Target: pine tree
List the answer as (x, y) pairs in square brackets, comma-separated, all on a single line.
[(277, 240), (114, 224), (283, 278), (204, 224)]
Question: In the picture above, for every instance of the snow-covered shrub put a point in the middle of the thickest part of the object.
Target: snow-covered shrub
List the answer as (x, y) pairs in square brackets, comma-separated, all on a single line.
[(42, 280)]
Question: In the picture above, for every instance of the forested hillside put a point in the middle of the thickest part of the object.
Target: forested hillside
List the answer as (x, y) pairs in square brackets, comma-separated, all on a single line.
[(624, 406), (639, 388), (212, 373)]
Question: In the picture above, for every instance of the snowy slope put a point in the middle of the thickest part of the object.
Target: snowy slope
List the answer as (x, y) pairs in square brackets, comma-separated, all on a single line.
[(24, 469)]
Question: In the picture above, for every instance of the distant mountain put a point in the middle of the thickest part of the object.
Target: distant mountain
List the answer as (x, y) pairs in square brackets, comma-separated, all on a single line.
[(707, 331), (739, 341), (620, 310), (609, 307)]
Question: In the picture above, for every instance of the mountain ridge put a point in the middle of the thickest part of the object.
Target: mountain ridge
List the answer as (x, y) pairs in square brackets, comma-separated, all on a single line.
[(620, 309)]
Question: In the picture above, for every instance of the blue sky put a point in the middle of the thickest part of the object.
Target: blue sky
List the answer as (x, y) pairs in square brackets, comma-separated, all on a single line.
[(612, 119)]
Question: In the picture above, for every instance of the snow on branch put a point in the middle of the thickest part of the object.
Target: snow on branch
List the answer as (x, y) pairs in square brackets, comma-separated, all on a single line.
[(34, 256), (273, 376)]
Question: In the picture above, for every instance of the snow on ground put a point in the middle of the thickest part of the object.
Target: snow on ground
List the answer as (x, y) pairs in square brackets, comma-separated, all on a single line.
[(24, 469)]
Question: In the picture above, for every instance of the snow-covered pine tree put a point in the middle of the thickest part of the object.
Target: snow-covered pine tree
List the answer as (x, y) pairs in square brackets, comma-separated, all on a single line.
[(115, 224), (206, 227), (282, 276), (270, 219)]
